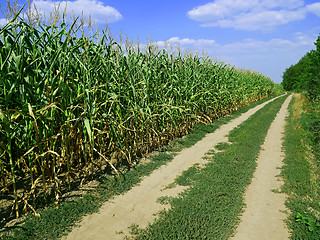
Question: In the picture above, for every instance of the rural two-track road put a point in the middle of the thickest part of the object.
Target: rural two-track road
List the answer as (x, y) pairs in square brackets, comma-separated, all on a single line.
[(262, 218)]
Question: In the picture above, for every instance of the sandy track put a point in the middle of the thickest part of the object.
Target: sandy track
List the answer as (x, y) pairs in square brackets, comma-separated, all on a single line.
[(264, 217), (139, 205)]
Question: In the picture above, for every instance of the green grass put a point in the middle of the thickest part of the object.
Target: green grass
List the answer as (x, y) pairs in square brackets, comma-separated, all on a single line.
[(222, 146), (56, 220), (210, 209), (301, 169)]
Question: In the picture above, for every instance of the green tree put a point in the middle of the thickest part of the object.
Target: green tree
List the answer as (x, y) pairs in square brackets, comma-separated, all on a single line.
[(312, 85), (305, 75)]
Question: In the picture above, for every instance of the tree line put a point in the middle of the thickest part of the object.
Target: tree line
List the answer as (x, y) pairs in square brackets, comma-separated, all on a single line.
[(304, 76)]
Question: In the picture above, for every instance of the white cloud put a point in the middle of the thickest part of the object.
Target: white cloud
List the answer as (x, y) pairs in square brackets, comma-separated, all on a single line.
[(251, 14), (98, 11), (285, 4), (303, 39), (3, 22), (251, 46), (220, 9), (314, 8), (186, 42), (265, 20), (208, 12), (270, 57), (245, 47)]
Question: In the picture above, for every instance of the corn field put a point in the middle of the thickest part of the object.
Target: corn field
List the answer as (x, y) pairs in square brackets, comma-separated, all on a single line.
[(72, 106)]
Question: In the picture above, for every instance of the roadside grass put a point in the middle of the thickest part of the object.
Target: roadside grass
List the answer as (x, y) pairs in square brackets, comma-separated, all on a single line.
[(301, 170), (56, 220), (211, 207), (222, 146)]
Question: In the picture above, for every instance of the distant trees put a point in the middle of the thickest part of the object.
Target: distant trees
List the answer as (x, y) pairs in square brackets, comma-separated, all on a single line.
[(305, 75)]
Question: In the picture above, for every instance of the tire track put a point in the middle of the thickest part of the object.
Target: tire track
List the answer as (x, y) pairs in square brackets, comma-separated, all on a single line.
[(139, 205), (264, 216)]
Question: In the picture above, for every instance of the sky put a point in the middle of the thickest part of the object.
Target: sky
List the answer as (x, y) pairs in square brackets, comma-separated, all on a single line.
[(266, 36)]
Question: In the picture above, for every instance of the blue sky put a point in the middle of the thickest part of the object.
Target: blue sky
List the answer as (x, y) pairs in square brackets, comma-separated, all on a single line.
[(262, 35)]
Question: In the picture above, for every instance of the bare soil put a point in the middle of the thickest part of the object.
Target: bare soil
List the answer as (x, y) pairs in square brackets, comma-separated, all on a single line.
[(265, 213), (139, 206)]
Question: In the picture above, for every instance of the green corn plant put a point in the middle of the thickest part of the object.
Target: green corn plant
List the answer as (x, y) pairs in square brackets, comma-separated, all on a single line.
[(83, 102)]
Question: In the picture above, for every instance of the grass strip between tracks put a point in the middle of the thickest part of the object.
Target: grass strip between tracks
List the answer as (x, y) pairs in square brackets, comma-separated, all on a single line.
[(57, 220), (301, 170), (210, 208)]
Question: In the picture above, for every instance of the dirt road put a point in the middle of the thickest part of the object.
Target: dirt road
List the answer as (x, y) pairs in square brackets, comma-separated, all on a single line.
[(264, 217), (139, 205)]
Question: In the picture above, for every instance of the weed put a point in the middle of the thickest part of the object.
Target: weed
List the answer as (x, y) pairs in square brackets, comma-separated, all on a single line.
[(311, 223)]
